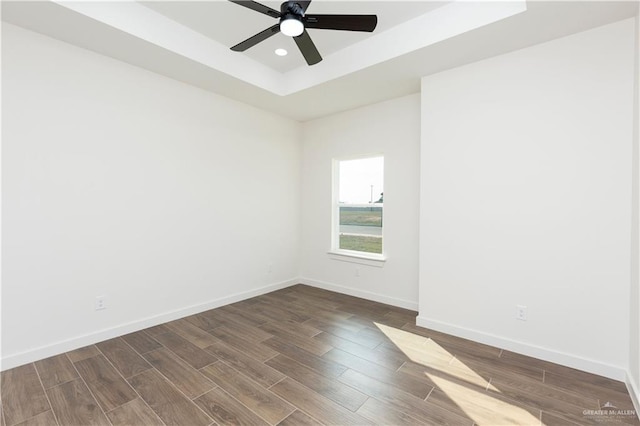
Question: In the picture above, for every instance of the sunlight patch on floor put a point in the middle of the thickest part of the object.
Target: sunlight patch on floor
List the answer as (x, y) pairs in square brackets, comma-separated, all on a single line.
[(482, 408), (472, 398), (424, 351)]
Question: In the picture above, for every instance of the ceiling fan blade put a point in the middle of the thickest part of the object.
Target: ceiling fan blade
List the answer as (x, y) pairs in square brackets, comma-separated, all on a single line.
[(341, 22), (252, 41), (304, 4), (307, 48), (254, 5)]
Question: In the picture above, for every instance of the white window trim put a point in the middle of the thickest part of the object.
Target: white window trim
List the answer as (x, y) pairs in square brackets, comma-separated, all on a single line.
[(336, 253), (359, 257)]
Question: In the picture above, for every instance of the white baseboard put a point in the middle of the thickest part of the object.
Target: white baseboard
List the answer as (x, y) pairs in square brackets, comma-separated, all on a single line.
[(634, 391), (401, 303), (15, 360), (523, 348)]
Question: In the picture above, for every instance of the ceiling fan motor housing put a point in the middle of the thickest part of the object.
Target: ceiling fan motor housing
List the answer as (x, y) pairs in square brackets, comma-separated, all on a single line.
[(291, 8), (291, 22)]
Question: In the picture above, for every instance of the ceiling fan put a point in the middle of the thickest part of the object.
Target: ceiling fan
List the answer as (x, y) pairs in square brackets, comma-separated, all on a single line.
[(294, 23)]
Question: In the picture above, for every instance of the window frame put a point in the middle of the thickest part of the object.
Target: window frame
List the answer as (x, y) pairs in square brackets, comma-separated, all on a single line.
[(335, 252)]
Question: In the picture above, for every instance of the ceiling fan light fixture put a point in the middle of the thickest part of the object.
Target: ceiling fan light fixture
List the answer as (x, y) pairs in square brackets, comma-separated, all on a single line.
[(291, 26)]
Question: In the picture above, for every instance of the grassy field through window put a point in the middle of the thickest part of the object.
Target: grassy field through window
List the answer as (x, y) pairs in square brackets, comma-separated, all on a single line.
[(358, 229), (361, 216), (361, 243)]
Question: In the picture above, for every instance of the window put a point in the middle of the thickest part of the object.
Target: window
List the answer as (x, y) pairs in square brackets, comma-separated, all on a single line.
[(358, 206)]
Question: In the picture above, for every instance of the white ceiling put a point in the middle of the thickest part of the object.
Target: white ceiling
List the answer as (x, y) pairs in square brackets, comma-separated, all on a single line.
[(189, 41), (229, 24)]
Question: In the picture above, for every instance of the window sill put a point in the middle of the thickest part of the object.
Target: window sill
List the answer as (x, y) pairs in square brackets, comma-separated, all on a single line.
[(376, 260)]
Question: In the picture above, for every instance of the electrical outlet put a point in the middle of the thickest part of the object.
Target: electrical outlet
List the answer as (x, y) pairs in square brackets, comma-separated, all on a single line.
[(521, 312), (269, 268), (101, 303), (357, 273)]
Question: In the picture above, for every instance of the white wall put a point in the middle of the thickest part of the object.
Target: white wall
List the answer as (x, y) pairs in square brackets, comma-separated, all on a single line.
[(119, 182), (525, 189), (393, 129), (634, 299)]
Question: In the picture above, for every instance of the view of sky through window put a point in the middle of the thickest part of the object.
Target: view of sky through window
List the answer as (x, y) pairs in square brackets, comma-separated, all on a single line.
[(361, 180)]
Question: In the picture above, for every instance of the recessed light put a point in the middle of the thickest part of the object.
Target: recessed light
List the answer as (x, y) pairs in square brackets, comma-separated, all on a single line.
[(281, 52)]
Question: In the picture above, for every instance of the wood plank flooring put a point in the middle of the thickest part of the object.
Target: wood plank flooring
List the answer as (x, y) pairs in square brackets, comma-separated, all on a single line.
[(303, 356)]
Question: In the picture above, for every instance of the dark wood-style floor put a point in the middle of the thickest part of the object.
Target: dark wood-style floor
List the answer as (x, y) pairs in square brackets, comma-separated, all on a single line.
[(303, 356)]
